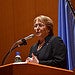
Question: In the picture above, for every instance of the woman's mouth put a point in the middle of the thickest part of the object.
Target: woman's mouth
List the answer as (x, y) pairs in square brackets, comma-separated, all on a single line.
[(38, 33)]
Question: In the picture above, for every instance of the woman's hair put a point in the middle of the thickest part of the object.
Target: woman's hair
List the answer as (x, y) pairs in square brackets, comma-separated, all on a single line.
[(47, 21)]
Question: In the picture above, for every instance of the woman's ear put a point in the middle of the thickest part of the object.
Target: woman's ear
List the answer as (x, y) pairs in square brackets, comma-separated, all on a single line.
[(47, 30)]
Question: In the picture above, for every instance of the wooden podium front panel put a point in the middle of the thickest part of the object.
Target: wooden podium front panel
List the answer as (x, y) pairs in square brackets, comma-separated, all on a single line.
[(74, 71), (6, 70), (32, 69), (36, 69)]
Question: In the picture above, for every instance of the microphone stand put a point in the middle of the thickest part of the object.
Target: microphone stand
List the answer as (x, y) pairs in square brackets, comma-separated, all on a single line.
[(15, 45)]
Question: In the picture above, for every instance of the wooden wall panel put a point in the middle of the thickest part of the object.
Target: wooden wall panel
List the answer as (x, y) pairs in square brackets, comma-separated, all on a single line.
[(16, 22), (73, 4), (6, 27)]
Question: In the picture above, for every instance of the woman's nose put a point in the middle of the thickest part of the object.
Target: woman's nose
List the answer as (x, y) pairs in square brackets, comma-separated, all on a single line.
[(37, 27)]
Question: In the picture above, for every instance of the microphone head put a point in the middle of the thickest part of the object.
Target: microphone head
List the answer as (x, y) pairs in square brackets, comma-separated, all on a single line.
[(29, 37), (23, 41)]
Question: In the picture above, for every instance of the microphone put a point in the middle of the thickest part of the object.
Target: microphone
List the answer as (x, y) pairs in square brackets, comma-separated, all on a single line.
[(23, 41), (17, 44)]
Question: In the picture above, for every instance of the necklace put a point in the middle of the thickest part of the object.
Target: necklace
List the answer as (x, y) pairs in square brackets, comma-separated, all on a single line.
[(40, 46)]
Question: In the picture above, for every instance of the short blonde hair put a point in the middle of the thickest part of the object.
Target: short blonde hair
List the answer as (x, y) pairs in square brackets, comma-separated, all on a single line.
[(47, 21)]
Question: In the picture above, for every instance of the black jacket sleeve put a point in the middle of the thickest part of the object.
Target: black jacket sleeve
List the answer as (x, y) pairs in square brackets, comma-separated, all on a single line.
[(58, 54)]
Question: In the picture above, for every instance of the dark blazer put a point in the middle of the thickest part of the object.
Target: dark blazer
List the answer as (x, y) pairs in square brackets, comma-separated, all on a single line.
[(53, 52)]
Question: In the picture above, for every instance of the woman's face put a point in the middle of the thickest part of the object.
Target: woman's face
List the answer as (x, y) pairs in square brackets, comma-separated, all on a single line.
[(40, 29)]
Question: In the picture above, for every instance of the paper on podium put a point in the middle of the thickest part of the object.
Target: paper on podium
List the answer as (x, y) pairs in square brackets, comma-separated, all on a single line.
[(20, 63)]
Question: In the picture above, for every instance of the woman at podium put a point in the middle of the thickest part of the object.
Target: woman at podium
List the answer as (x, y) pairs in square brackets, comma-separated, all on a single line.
[(49, 50)]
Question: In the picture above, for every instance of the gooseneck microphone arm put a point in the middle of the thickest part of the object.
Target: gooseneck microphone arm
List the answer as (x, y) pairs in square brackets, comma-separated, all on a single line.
[(15, 45)]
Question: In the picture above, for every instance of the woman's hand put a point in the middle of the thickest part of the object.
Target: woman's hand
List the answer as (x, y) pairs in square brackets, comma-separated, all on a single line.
[(33, 59), (28, 59)]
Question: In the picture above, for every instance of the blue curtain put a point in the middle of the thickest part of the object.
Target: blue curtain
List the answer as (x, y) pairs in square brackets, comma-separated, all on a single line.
[(66, 30)]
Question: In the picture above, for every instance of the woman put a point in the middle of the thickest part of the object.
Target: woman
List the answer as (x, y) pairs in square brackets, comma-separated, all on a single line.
[(49, 50)]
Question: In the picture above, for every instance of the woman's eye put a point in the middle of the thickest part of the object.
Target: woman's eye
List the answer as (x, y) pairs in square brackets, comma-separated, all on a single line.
[(40, 25), (35, 25)]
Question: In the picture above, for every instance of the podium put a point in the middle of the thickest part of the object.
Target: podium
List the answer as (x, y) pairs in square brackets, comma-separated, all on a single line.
[(32, 69)]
